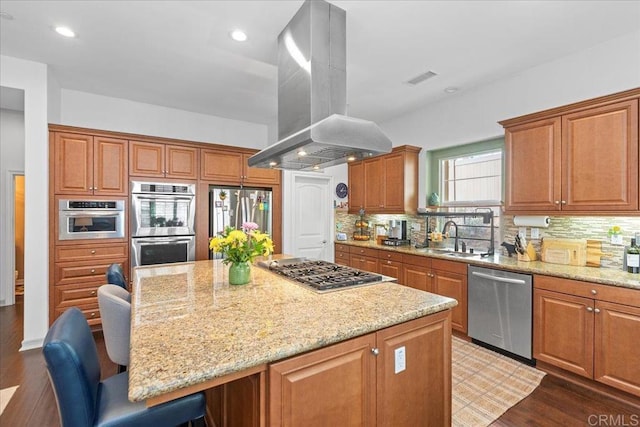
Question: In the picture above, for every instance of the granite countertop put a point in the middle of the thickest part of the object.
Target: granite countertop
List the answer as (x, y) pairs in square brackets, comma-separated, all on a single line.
[(189, 326), (605, 276)]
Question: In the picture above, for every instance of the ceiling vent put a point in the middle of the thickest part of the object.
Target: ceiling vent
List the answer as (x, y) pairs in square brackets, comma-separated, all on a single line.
[(421, 77)]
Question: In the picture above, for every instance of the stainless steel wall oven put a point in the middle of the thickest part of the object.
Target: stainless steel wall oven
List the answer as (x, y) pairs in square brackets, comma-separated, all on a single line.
[(162, 223), (91, 219)]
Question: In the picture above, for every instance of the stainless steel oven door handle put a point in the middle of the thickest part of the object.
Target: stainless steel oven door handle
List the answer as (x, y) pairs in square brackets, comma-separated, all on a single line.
[(91, 214), (498, 279), (158, 241), (163, 196)]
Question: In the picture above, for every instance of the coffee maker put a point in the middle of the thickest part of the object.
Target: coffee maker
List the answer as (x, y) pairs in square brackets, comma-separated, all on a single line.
[(398, 229)]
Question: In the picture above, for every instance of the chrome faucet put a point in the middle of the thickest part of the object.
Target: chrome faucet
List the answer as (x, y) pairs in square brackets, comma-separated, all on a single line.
[(446, 227)]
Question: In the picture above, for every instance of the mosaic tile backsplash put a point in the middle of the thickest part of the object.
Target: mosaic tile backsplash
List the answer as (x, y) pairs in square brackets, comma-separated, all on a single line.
[(566, 227)]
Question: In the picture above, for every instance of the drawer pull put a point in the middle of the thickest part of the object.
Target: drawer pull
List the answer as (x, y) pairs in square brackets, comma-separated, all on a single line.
[(93, 314), (589, 309), (388, 262), (597, 310), (593, 291), (93, 293), (93, 270), (93, 251)]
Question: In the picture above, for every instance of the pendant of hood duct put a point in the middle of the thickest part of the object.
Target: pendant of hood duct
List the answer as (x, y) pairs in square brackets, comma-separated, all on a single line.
[(312, 97)]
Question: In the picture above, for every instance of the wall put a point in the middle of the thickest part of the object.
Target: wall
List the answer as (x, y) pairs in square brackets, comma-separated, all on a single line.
[(11, 161), (102, 112), (32, 78), (19, 225)]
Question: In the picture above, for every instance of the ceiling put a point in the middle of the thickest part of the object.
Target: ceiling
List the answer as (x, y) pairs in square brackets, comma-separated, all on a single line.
[(179, 54)]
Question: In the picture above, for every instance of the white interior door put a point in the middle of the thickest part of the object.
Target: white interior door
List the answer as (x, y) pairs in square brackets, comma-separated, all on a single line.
[(308, 216)]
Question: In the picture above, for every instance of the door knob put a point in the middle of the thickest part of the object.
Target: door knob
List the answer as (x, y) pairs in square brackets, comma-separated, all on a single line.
[(324, 241)]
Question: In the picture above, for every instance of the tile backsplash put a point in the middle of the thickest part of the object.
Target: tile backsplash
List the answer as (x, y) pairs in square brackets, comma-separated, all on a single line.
[(568, 227)]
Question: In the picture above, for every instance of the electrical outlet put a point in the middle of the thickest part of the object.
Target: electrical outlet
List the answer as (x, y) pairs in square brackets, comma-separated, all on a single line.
[(522, 231), (535, 233)]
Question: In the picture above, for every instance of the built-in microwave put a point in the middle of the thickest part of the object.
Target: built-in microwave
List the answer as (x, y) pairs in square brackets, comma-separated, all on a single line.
[(91, 219)]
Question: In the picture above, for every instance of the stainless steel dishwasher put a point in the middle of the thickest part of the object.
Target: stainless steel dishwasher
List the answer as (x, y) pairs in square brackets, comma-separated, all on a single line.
[(500, 306)]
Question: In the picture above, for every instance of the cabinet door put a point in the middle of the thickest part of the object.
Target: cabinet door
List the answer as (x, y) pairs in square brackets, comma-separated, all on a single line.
[(453, 285), (532, 162), (259, 175), (146, 159), (417, 276), (617, 334), (391, 269), (73, 163), (181, 162), (374, 185), (414, 373), (356, 186), (342, 258), (600, 158), (110, 162), (221, 166), (563, 331), (333, 386), (364, 263), (394, 194)]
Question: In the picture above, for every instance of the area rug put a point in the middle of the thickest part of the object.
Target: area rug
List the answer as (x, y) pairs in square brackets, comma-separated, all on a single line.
[(5, 396), (485, 384)]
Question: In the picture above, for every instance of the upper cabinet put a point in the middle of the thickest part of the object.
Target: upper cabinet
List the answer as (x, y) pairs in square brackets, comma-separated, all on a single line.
[(385, 184), (582, 158), (89, 165), (233, 167), (158, 160)]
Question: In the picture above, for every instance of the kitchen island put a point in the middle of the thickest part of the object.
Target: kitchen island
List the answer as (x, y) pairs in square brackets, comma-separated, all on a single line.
[(191, 331)]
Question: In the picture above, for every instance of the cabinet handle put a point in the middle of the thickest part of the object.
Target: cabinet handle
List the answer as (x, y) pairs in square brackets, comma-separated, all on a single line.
[(375, 351), (564, 202), (93, 293), (93, 314), (589, 309), (557, 202), (593, 291), (388, 262), (597, 310), (93, 251), (93, 270)]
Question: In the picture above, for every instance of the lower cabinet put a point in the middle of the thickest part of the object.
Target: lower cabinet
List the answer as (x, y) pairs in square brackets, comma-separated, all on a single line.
[(450, 279), (416, 272), (588, 329), (400, 375), (390, 264), (341, 254), (364, 259)]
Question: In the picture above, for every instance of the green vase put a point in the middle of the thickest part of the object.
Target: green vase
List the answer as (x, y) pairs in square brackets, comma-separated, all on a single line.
[(239, 273)]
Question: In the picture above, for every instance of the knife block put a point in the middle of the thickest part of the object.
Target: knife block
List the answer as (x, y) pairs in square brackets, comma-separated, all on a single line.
[(529, 255)]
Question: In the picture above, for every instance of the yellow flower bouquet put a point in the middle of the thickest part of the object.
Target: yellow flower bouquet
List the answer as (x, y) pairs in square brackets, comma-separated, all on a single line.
[(244, 245)]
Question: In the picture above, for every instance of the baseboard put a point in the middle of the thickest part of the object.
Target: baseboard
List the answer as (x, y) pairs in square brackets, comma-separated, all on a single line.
[(596, 387), (31, 344)]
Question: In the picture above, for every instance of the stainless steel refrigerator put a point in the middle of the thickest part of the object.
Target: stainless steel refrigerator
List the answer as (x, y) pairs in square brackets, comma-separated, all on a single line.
[(232, 206)]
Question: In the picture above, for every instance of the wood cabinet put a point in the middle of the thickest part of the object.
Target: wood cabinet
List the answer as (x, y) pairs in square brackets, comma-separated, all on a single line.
[(385, 184), (416, 272), (588, 329), (78, 271), (89, 165), (341, 254), (450, 279), (233, 167), (390, 264), (364, 259), (157, 160), (585, 158), (400, 375)]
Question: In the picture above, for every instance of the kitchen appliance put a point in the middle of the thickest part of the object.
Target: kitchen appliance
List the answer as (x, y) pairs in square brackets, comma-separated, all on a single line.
[(233, 206), (312, 97), (396, 242), (162, 223), (91, 219), (500, 310), (397, 229), (322, 276)]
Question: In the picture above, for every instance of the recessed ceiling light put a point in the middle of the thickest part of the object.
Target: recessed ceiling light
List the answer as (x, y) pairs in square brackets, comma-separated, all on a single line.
[(238, 35), (451, 89), (65, 31), (301, 152), (316, 167), (272, 164), (5, 15), (351, 158)]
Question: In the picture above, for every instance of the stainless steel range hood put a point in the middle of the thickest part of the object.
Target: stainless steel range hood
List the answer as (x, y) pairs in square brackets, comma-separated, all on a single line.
[(313, 130)]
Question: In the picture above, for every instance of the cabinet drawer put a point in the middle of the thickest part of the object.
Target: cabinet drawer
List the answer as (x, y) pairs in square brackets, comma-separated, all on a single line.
[(90, 252), (90, 311), (589, 290), (390, 256), (340, 247), (342, 255), (355, 250), (422, 261), (450, 266), (88, 271), (70, 295)]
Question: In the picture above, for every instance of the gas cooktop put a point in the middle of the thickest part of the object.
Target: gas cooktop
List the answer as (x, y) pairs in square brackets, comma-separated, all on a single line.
[(322, 276)]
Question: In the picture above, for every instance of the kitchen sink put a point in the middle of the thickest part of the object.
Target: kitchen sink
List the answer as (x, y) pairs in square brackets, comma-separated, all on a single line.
[(462, 254)]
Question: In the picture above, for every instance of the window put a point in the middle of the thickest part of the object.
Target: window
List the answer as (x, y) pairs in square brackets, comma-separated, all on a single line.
[(468, 174)]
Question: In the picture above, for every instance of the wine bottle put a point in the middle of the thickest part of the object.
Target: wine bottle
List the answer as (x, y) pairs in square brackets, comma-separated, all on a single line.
[(633, 258)]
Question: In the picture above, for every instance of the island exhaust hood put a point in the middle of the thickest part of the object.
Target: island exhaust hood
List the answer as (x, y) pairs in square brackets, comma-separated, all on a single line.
[(313, 130)]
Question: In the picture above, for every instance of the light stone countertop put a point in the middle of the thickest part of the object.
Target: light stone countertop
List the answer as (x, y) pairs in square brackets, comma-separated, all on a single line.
[(189, 326), (605, 276)]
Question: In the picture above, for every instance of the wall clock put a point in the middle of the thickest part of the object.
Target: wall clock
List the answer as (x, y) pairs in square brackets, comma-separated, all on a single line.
[(341, 190)]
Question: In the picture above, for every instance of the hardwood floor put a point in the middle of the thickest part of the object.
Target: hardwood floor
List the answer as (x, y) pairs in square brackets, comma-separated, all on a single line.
[(554, 403)]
